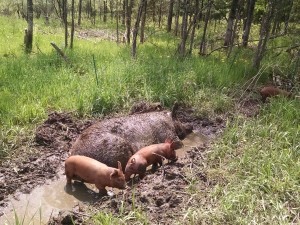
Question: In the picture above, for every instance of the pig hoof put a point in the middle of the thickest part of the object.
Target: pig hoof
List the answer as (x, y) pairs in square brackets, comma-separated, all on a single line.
[(103, 193), (68, 188), (110, 194)]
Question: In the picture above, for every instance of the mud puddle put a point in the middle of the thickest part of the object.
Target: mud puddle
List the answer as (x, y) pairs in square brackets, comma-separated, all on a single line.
[(46, 201)]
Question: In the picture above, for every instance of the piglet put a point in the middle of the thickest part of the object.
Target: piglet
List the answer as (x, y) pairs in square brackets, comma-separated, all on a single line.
[(151, 155), (270, 91), (92, 171)]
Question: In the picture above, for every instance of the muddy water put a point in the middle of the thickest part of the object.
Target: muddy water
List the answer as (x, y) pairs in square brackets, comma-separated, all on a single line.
[(47, 200)]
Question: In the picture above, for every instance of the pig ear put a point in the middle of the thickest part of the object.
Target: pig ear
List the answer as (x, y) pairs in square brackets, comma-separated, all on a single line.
[(114, 173), (176, 145), (119, 165)]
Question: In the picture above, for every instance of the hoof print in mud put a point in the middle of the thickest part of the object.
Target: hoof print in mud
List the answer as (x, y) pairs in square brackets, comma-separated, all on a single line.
[(144, 199), (159, 202), (170, 176), (174, 202)]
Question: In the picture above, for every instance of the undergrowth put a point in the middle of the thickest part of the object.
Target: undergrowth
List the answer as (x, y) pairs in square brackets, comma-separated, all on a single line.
[(253, 169)]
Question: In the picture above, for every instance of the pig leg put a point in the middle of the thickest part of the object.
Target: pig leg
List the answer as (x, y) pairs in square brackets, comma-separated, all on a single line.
[(154, 167), (142, 175), (69, 177), (102, 190)]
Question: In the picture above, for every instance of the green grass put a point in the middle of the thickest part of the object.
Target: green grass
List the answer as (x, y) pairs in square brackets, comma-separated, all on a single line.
[(254, 167)]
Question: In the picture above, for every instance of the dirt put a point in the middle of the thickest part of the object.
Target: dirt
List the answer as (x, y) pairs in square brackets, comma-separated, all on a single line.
[(160, 195)]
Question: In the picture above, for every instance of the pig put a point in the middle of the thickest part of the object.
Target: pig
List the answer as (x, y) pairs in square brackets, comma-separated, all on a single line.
[(270, 91), (151, 155), (117, 139), (92, 171)]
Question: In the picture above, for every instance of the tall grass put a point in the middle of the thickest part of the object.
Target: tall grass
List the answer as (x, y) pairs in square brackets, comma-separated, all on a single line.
[(256, 169), (32, 85)]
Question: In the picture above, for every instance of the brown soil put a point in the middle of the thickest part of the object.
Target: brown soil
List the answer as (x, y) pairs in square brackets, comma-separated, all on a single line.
[(161, 195)]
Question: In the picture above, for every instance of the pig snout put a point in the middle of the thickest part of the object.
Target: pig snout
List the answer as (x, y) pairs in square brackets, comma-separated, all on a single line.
[(118, 178), (121, 184)]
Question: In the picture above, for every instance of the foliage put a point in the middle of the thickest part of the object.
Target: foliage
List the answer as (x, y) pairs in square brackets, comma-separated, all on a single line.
[(256, 169)]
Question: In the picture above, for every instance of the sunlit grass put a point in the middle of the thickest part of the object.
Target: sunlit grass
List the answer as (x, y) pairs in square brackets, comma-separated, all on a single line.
[(259, 160), (254, 168)]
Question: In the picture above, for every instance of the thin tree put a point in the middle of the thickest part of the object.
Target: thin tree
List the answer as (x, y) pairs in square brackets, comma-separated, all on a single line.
[(79, 12), (136, 27), (193, 24), (230, 23), (123, 12), (288, 15), (203, 39), (177, 17), (184, 33), (248, 22), (28, 39), (143, 23), (104, 11), (128, 7), (264, 34), (170, 16), (117, 20), (65, 19), (72, 23), (160, 13)]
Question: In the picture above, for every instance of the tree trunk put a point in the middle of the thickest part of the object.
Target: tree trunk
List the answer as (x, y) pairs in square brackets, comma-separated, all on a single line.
[(288, 15), (232, 16), (160, 14), (73, 24), (194, 24), (154, 11), (79, 12), (248, 22), (65, 19), (203, 40), (128, 19), (264, 34), (177, 18), (136, 27), (117, 20), (29, 31), (143, 22), (104, 11), (123, 12), (94, 12), (184, 33), (170, 16), (46, 14)]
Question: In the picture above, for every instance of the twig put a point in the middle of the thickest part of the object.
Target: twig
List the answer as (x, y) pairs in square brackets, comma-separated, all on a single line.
[(60, 52)]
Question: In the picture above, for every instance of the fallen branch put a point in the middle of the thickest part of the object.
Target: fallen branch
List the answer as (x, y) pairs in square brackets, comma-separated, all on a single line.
[(60, 52)]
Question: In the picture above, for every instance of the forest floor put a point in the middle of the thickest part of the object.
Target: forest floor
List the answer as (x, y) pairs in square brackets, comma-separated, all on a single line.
[(161, 195)]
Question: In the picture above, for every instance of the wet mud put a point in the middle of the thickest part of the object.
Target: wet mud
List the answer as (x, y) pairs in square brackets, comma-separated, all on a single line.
[(161, 194)]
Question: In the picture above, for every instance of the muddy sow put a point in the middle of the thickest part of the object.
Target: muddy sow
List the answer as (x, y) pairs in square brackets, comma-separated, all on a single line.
[(117, 139)]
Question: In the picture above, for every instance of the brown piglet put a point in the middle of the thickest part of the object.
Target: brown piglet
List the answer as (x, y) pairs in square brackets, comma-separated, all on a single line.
[(151, 155), (92, 171), (270, 91)]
